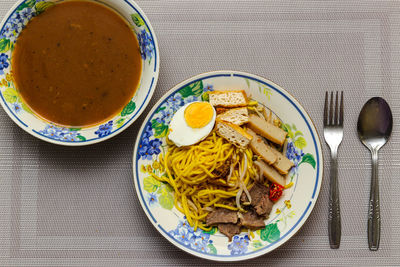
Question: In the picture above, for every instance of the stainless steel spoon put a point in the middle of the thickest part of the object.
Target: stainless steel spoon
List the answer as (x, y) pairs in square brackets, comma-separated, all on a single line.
[(374, 128)]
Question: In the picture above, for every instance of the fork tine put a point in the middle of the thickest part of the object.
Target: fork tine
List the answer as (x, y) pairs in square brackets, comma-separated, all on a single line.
[(331, 110), (326, 109), (336, 119), (341, 109)]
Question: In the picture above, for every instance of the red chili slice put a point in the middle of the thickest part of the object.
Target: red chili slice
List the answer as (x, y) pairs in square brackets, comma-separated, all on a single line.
[(275, 192)]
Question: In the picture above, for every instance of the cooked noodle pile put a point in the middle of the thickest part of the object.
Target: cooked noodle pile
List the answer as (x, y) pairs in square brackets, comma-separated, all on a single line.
[(207, 175)]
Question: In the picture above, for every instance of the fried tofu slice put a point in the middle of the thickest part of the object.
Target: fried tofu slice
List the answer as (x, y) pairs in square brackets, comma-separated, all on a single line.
[(238, 116), (228, 99), (233, 133)]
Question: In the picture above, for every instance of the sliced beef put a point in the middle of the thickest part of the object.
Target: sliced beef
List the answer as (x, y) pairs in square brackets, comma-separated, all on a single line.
[(256, 193), (244, 198), (222, 171), (229, 229), (259, 199), (221, 216), (252, 220), (264, 206)]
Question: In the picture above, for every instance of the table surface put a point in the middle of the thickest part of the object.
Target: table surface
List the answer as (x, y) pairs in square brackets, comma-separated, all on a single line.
[(77, 206)]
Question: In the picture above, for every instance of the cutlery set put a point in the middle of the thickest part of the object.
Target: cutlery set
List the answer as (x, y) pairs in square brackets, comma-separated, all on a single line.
[(374, 128)]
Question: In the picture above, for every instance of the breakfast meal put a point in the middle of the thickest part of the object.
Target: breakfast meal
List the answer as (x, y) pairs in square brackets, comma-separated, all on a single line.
[(224, 162), (77, 64)]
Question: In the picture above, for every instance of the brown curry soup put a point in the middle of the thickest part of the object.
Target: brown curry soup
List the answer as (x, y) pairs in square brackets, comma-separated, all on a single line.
[(77, 64)]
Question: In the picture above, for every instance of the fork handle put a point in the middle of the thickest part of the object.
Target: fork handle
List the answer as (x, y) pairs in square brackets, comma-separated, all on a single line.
[(374, 214), (334, 223)]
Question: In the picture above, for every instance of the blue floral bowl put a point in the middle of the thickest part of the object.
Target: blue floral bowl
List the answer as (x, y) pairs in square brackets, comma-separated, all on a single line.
[(288, 214), (12, 25)]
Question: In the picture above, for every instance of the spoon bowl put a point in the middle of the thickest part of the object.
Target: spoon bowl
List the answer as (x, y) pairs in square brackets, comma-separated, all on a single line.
[(375, 123), (374, 127)]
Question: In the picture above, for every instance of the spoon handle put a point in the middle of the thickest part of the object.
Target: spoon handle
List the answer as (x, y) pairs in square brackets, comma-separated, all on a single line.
[(374, 214), (334, 223)]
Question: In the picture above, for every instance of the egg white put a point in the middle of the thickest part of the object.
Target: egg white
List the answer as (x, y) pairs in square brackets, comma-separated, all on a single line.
[(184, 135)]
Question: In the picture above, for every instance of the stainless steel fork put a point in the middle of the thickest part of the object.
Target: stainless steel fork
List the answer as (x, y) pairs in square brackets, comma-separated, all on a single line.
[(333, 133)]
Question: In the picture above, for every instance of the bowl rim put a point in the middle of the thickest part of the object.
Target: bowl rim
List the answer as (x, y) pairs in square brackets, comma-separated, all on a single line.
[(131, 120), (319, 172)]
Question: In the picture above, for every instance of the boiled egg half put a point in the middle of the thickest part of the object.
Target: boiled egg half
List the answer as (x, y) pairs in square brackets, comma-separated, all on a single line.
[(192, 123)]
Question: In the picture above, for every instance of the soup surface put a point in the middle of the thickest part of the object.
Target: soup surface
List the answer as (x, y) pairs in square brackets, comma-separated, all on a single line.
[(77, 64)]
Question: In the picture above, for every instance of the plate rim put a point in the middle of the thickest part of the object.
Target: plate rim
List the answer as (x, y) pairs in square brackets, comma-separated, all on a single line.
[(310, 206), (134, 118)]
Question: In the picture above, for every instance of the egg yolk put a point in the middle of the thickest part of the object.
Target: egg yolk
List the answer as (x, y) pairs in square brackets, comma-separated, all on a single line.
[(199, 114)]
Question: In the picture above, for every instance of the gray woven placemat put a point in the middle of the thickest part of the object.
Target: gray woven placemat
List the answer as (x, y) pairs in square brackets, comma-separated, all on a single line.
[(78, 206)]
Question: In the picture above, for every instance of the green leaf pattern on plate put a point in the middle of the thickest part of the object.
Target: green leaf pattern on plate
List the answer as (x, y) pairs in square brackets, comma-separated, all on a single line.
[(212, 249), (10, 95), (81, 138), (300, 142), (205, 96), (137, 20), (166, 201), (28, 3), (308, 158), (119, 122), (194, 89), (42, 6), (164, 191), (151, 184), (270, 233), (128, 109), (160, 129), (257, 244), (75, 129), (212, 231), (5, 45)]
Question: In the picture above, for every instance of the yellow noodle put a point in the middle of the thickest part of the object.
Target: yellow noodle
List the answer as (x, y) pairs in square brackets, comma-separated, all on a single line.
[(190, 171), (216, 192), (210, 203), (225, 206)]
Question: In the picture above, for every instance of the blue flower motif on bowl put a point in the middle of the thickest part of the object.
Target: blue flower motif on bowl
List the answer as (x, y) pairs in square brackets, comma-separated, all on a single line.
[(167, 114), (152, 198), (295, 155), (191, 99), (208, 88), (3, 62), (148, 131), (61, 133), (197, 240), (154, 146), (146, 44), (144, 149), (17, 107), (26, 14), (239, 245), (148, 148), (175, 101), (104, 129)]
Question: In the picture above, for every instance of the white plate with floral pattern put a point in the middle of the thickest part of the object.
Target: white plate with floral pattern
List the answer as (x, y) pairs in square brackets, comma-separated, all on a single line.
[(12, 25), (288, 214)]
